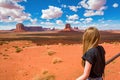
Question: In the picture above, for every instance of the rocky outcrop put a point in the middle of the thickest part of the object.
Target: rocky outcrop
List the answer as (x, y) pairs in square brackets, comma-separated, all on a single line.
[(20, 28), (76, 28), (34, 28), (68, 28)]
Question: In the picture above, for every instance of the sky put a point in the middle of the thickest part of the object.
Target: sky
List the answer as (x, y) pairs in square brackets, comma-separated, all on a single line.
[(103, 14)]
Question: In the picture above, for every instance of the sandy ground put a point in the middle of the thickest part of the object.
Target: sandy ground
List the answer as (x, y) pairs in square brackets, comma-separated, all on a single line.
[(24, 60)]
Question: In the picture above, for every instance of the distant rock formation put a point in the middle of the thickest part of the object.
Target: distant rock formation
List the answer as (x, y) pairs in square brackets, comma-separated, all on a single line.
[(68, 28), (34, 28), (76, 28), (20, 28)]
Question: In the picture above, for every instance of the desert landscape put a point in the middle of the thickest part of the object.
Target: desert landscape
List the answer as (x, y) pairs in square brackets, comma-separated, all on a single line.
[(51, 55), (42, 39)]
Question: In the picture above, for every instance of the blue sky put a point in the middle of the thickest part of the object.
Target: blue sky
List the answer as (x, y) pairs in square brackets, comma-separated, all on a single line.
[(104, 14)]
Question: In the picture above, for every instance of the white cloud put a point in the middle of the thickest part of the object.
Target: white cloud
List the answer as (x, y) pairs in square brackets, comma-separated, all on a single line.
[(89, 13), (88, 20), (96, 4), (73, 17), (20, 0), (74, 8), (47, 23), (11, 11), (51, 13), (34, 21), (59, 22), (94, 7), (103, 8), (73, 22), (92, 4), (115, 5), (9, 4), (84, 4)]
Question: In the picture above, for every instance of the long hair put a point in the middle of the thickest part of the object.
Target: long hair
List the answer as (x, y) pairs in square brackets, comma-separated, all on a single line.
[(91, 39)]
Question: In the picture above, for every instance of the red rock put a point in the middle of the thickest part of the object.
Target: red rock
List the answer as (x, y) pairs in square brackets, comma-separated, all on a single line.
[(68, 27), (20, 28)]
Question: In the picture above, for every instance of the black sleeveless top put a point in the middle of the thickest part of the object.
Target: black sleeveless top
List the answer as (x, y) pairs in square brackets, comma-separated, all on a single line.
[(96, 57)]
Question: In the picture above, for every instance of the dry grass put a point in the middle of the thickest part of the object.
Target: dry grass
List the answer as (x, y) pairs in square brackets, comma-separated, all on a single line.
[(45, 75), (56, 60), (5, 56), (50, 52), (48, 38), (3, 42), (18, 49)]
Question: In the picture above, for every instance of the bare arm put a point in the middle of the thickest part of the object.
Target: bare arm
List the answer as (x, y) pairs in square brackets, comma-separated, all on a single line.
[(86, 73)]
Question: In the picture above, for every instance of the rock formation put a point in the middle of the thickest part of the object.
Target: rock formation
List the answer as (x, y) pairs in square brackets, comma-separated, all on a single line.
[(68, 28), (34, 28), (20, 28), (76, 28)]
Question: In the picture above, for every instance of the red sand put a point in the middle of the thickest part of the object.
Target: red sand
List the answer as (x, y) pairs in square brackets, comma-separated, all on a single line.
[(33, 60)]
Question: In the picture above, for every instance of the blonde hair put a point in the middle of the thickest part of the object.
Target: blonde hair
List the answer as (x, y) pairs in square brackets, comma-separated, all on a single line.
[(91, 39)]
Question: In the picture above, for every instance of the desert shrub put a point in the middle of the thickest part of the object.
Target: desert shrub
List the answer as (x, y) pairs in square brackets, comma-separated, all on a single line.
[(6, 49), (50, 53), (23, 47), (18, 50), (45, 76), (15, 46), (5, 55), (1, 53), (5, 58), (116, 43), (56, 60), (3, 42)]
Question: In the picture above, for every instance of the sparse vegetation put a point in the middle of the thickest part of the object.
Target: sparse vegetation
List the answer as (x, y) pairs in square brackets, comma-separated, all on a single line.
[(45, 76), (1, 53), (116, 43), (5, 55), (5, 58), (50, 53), (3, 42), (48, 38), (56, 60), (51, 56), (15, 46), (44, 71), (6, 49), (18, 49), (23, 47)]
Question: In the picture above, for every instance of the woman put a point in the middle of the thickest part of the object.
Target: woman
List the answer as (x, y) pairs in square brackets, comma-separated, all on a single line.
[(93, 58)]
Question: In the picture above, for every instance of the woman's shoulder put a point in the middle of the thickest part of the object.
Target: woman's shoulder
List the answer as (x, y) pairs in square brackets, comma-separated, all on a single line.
[(91, 51), (101, 48)]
